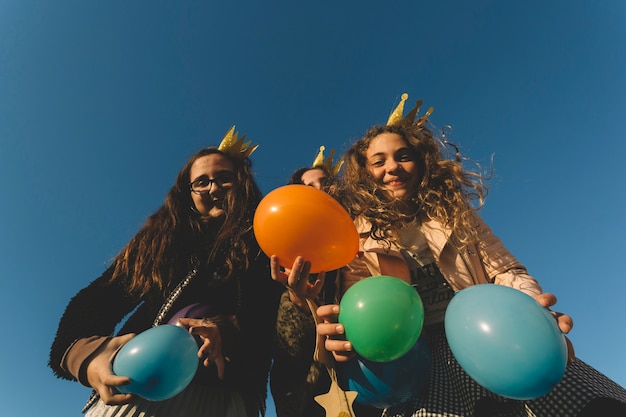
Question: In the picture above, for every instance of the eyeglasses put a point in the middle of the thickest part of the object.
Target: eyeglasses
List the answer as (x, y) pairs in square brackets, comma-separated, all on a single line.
[(204, 184)]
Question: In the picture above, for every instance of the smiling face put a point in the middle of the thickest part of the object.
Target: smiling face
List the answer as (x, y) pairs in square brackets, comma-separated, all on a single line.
[(211, 199), (392, 165)]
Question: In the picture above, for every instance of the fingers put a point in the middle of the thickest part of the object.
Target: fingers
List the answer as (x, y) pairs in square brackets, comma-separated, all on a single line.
[(189, 322), (296, 278), (220, 363), (341, 355), (299, 274), (211, 349), (330, 329), (546, 299), (316, 286), (115, 398), (328, 312), (321, 276), (115, 380), (335, 341), (213, 355), (564, 321), (334, 332), (100, 376), (109, 394), (277, 273)]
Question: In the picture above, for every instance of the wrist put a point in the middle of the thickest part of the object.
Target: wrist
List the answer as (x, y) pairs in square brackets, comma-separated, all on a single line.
[(301, 303)]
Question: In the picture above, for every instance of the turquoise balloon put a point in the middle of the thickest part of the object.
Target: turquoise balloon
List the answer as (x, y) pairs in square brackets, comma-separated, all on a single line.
[(506, 341), (160, 362), (382, 316)]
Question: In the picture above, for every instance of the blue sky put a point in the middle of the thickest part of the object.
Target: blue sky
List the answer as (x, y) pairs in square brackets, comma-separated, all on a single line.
[(102, 102)]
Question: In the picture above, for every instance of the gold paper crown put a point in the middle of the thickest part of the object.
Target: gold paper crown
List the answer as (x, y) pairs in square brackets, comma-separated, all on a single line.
[(395, 118), (235, 147), (328, 162)]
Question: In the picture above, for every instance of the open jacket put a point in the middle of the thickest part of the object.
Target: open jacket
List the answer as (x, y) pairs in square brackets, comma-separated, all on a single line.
[(94, 313), (487, 260)]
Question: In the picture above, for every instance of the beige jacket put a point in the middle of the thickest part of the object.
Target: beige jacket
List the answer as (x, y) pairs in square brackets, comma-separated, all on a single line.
[(486, 261)]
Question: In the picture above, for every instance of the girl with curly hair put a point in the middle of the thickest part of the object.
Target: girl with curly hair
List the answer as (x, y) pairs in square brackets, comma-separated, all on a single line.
[(415, 209)]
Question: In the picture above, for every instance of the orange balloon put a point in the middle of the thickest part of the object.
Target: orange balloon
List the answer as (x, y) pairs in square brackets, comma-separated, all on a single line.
[(298, 220)]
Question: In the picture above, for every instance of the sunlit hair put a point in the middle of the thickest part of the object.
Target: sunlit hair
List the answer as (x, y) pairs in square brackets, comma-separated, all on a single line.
[(446, 192), (160, 254)]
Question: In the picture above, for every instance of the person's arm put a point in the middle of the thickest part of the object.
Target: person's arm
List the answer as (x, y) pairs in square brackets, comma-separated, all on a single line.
[(85, 329), (295, 325), (500, 266), (98, 372), (503, 268), (295, 336), (77, 354)]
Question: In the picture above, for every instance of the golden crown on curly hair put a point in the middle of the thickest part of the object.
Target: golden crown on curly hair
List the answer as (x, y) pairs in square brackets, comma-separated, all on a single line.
[(233, 146), (395, 118)]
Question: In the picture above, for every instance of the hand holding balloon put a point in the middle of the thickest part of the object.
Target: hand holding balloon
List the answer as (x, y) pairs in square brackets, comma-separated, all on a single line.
[(297, 281), (506, 341), (211, 349), (102, 379), (160, 362), (297, 220), (334, 332), (564, 321)]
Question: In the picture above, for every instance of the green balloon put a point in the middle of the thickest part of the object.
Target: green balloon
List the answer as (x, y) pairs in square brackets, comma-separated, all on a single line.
[(382, 316)]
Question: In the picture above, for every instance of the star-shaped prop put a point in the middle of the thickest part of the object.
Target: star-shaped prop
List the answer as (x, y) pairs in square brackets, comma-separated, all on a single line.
[(337, 402)]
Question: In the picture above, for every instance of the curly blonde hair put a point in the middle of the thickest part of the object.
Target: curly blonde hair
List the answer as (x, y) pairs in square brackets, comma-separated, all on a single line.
[(446, 191)]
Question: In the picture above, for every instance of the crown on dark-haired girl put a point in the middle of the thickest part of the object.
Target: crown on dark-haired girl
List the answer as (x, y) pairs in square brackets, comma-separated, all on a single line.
[(328, 162), (235, 146)]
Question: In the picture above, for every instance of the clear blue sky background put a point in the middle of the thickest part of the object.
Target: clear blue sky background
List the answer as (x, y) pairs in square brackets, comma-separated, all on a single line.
[(102, 102)]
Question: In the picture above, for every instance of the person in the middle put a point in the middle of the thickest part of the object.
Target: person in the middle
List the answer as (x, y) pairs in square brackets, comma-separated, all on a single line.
[(321, 174), (296, 378)]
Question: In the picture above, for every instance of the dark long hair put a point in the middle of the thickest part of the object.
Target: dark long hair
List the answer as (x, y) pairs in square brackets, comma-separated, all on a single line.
[(159, 254)]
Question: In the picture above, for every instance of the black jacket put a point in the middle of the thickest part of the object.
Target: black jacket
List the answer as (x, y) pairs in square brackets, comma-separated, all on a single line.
[(101, 308)]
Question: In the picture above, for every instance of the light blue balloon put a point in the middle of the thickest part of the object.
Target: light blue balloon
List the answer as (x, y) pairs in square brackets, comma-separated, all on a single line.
[(506, 341), (160, 362)]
